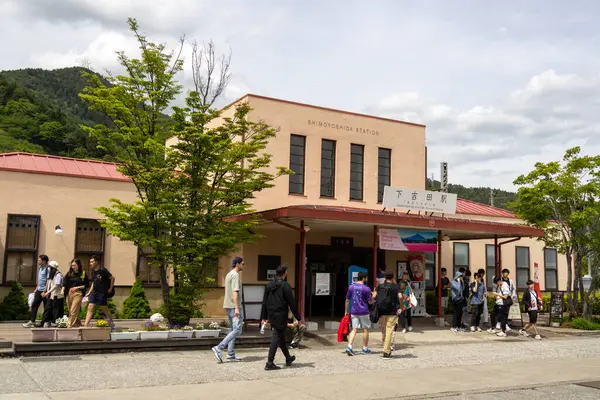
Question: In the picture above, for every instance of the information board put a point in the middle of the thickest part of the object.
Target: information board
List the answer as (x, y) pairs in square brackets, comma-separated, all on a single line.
[(418, 289), (556, 304), (322, 284)]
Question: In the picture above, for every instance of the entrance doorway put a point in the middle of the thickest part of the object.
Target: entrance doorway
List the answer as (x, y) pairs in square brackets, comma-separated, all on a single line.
[(326, 259)]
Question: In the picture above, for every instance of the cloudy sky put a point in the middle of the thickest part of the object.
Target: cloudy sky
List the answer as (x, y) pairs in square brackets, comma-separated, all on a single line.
[(500, 85)]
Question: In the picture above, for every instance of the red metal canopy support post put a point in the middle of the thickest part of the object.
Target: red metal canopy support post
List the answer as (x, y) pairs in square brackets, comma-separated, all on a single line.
[(375, 266), (302, 273), (497, 256), (439, 275)]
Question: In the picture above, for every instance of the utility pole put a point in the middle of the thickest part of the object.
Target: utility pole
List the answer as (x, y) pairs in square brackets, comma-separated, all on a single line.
[(492, 197)]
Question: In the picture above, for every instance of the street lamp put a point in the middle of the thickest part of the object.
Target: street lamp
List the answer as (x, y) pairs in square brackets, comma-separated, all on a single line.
[(587, 282), (58, 230)]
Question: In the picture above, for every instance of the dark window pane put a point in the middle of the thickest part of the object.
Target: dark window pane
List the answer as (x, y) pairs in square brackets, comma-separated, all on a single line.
[(297, 150), (461, 254), (551, 280), (356, 149), (550, 258), (384, 153), (356, 177), (356, 185), (327, 168), (296, 178), (22, 232), (384, 162), (522, 257), (356, 194), (297, 140), (356, 159), (490, 256), (490, 272), (297, 162), (328, 145), (296, 188), (522, 278)]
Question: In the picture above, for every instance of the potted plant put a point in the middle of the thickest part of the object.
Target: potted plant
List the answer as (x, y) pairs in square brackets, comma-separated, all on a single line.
[(63, 334), (177, 332), (152, 331), (43, 334), (213, 330), (124, 334), (100, 331), (555, 322)]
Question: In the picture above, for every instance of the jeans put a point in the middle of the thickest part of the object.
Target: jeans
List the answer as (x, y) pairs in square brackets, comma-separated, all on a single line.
[(458, 313), (37, 301), (500, 314), (476, 317), (404, 317), (387, 323), (278, 341), (235, 325)]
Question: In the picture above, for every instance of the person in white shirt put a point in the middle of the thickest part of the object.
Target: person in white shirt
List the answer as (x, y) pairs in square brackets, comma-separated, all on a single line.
[(513, 294), (532, 304), (500, 313)]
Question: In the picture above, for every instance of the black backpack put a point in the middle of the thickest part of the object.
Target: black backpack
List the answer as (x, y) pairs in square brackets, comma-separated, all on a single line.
[(387, 299)]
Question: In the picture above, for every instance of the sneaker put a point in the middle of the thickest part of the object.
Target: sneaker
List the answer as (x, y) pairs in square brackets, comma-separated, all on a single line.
[(453, 330), (403, 330), (410, 328), (501, 334), (217, 353), (491, 330), (508, 329), (29, 325), (293, 345), (387, 356), (523, 333), (498, 326), (393, 348), (349, 351), (46, 324), (233, 358), (479, 329), (366, 350), (472, 329), (538, 337), (271, 367), (288, 363)]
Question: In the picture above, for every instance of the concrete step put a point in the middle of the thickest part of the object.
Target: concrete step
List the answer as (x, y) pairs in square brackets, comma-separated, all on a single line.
[(7, 352), (5, 344)]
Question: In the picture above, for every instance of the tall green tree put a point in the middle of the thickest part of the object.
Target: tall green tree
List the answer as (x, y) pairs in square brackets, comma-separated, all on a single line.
[(188, 192), (562, 198)]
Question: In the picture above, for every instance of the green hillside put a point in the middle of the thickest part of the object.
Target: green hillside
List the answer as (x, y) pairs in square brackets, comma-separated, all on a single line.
[(479, 194), (40, 112)]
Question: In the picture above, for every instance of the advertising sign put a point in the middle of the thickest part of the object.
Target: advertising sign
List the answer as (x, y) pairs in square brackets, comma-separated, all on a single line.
[(407, 240)]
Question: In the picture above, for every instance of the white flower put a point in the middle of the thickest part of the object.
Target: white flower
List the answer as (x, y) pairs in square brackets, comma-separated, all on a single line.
[(157, 318), (214, 326)]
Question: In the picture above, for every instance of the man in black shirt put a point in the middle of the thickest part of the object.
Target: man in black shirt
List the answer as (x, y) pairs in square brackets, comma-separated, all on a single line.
[(102, 286), (278, 300)]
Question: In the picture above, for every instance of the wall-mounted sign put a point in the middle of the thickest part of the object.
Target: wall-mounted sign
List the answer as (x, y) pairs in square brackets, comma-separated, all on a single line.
[(407, 240), (419, 200), (323, 283)]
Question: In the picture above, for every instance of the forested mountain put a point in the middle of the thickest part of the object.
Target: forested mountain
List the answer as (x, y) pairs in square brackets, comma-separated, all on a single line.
[(479, 194), (41, 112)]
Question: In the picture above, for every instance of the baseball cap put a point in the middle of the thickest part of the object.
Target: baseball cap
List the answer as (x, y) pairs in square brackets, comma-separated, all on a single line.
[(236, 261)]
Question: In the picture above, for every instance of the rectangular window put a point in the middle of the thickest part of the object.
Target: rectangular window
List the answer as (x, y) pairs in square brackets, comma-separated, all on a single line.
[(551, 269), (490, 264), (327, 168), (147, 269), (522, 263), (357, 156), (383, 172), (461, 257), (267, 266), (297, 159), (89, 240), (22, 238), (430, 275)]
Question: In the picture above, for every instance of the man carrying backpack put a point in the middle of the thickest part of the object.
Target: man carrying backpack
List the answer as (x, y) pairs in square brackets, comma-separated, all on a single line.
[(277, 301), (389, 298)]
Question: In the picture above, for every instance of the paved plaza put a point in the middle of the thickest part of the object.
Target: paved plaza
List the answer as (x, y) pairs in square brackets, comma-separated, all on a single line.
[(545, 369)]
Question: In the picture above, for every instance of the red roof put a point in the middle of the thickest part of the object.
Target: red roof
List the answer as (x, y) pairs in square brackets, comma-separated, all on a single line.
[(90, 169), (53, 165)]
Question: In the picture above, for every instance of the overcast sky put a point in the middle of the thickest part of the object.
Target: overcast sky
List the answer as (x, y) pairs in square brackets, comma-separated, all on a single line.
[(500, 85)]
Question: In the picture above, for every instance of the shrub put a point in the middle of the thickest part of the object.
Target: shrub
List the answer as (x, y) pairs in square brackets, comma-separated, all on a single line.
[(584, 324), (136, 305), (14, 306)]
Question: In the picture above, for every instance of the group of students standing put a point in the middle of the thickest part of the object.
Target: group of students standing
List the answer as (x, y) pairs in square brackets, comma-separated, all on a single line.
[(52, 287), (464, 292)]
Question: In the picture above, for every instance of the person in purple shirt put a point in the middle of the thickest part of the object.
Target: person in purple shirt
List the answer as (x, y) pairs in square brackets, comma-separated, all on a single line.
[(361, 297)]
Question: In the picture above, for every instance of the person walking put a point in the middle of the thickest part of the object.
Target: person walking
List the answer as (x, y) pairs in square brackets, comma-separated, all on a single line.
[(444, 292), (458, 300), (278, 300), (40, 289), (532, 304), (361, 297), (76, 283), (477, 289), (407, 324), (388, 298), (405, 306), (53, 296), (513, 294), (486, 314), (500, 313), (103, 284), (231, 303)]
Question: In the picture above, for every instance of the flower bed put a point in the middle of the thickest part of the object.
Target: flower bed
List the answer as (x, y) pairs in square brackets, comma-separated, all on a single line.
[(213, 331), (181, 333), (124, 334)]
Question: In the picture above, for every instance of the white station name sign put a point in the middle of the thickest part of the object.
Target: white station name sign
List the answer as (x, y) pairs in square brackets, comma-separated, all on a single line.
[(419, 200)]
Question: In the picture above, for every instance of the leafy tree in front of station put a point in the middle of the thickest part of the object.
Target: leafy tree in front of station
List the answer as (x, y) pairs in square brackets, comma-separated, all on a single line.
[(187, 193), (563, 198)]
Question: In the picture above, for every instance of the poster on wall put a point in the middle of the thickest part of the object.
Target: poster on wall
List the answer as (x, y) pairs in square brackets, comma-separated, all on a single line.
[(322, 284), (416, 268), (402, 268), (407, 240)]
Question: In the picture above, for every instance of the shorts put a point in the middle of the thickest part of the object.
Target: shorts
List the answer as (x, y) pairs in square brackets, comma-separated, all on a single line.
[(98, 299), (360, 321), (533, 315)]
